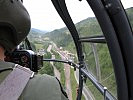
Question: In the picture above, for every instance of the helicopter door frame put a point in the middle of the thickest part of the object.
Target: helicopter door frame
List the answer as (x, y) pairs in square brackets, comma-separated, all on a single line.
[(107, 13), (118, 34)]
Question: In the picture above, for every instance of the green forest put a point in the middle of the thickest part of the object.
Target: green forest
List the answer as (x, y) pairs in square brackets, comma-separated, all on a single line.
[(90, 27), (96, 55)]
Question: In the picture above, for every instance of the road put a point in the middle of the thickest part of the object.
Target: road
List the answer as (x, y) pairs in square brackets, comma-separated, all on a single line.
[(66, 70), (86, 92), (49, 48), (56, 72)]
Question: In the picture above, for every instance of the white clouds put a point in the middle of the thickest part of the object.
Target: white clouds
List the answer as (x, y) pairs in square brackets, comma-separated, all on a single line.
[(79, 10), (127, 3), (45, 17)]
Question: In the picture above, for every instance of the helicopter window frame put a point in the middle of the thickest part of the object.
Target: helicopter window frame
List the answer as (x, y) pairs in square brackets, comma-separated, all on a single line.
[(107, 18)]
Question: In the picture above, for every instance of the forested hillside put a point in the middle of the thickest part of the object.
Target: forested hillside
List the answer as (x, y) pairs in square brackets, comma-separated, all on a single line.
[(89, 27), (86, 27), (61, 37), (35, 33)]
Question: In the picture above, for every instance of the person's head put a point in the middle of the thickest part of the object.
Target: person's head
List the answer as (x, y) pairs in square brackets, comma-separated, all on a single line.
[(14, 23)]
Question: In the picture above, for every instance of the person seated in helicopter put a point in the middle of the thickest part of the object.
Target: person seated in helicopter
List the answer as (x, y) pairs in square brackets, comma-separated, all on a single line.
[(14, 27)]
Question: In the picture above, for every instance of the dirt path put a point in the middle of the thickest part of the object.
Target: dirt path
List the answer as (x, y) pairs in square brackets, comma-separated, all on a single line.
[(66, 71), (56, 72), (67, 75)]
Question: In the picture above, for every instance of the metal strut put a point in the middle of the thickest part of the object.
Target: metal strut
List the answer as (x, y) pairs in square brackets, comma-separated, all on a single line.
[(80, 82), (61, 8)]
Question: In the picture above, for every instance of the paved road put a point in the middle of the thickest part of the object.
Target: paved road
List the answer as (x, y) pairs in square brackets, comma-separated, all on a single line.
[(66, 71), (49, 48), (86, 92), (56, 72)]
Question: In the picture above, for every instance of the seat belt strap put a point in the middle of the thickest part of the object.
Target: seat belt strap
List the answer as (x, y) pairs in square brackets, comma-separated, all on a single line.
[(14, 84)]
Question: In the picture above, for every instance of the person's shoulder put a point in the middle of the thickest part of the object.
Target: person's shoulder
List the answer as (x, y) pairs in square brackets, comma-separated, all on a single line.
[(42, 87), (5, 65), (47, 81), (5, 69)]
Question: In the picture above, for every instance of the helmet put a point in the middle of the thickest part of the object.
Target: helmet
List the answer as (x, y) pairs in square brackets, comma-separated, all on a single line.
[(14, 23)]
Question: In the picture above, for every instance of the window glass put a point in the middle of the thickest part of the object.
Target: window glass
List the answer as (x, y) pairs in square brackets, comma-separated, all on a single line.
[(97, 57), (89, 27), (94, 93), (99, 64), (83, 18), (128, 5)]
